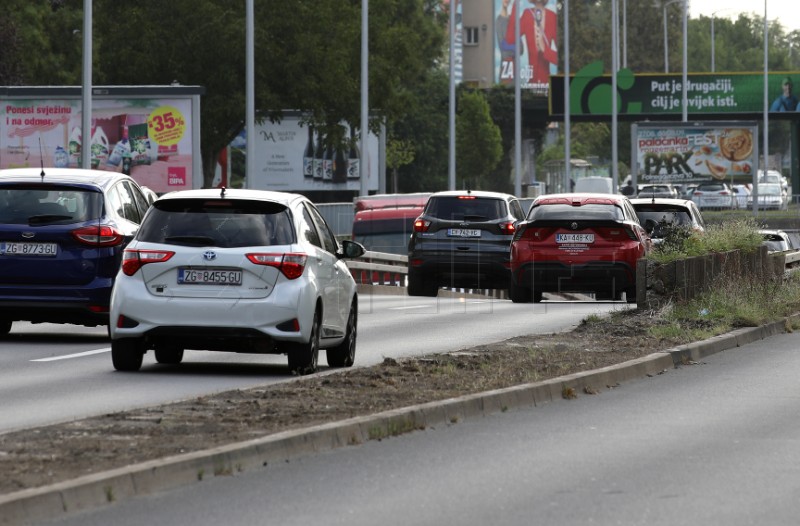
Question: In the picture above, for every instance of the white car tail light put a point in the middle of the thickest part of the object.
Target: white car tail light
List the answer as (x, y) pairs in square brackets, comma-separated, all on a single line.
[(291, 264), (133, 260)]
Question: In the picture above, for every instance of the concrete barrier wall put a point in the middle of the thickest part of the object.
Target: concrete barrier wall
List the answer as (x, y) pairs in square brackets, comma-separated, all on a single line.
[(659, 283)]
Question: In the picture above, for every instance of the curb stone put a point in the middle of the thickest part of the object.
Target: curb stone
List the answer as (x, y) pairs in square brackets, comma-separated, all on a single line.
[(101, 489)]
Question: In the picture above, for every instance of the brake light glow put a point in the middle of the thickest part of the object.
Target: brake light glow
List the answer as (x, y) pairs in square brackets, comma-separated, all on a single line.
[(507, 228), (466, 197), (420, 225), (133, 260), (98, 236), (291, 264)]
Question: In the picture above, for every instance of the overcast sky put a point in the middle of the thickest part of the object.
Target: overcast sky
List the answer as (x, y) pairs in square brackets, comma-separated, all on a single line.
[(731, 9)]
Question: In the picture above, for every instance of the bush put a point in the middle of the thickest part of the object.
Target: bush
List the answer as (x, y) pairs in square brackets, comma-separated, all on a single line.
[(680, 243)]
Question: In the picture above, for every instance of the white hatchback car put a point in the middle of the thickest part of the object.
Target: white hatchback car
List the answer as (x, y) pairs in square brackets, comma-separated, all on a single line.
[(235, 270), (657, 216)]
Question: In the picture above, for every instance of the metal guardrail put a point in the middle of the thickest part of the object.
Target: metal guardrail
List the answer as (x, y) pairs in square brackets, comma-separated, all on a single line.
[(381, 268)]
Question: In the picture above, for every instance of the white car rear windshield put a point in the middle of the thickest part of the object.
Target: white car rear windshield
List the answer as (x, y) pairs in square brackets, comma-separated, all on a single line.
[(224, 224)]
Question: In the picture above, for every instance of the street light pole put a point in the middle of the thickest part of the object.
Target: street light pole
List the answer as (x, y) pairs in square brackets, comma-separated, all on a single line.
[(666, 41), (713, 41), (685, 83), (567, 118), (624, 33), (363, 165), (614, 68), (250, 97), (517, 103), (452, 115), (86, 91)]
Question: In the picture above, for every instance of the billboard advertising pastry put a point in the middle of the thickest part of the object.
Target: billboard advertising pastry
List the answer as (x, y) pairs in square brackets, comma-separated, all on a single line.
[(681, 153)]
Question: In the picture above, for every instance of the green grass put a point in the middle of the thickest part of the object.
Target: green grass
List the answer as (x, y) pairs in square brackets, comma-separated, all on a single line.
[(739, 233), (733, 301), (764, 216), (731, 304)]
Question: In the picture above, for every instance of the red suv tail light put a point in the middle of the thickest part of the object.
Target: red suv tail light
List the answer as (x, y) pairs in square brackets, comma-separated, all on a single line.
[(631, 234), (534, 233), (133, 260), (98, 236), (291, 264), (617, 233), (420, 225)]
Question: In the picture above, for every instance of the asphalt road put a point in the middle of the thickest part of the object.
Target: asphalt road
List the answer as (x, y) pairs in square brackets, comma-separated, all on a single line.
[(53, 373), (715, 443)]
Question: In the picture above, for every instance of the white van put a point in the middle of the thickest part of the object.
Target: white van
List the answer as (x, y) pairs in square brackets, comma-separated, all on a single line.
[(592, 184)]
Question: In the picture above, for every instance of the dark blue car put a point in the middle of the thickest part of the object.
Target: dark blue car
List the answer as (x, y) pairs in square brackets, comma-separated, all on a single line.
[(62, 233)]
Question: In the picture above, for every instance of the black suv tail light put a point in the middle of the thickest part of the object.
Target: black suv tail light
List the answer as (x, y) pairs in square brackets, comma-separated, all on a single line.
[(421, 225), (507, 228)]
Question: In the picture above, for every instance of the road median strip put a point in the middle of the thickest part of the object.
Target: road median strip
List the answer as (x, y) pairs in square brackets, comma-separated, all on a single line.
[(116, 485)]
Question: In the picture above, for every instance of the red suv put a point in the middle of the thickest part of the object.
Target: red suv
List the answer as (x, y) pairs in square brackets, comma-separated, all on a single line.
[(578, 242)]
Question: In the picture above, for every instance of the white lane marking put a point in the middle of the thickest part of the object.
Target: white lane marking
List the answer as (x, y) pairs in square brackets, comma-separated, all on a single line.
[(76, 355), (407, 307)]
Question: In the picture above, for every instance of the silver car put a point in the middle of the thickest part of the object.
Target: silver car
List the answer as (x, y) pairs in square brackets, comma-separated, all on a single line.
[(237, 271), (713, 195), (771, 196)]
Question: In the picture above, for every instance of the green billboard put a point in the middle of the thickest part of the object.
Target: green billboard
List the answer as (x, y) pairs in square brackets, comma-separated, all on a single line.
[(662, 94)]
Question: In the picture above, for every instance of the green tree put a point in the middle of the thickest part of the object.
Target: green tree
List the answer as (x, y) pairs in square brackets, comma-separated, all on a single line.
[(399, 152), (426, 123), (42, 41), (307, 55), (11, 58), (478, 143)]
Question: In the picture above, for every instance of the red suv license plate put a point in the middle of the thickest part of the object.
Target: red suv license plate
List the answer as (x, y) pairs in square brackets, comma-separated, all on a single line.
[(574, 238)]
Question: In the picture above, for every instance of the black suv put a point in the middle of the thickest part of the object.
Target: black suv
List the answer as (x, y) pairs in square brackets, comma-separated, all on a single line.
[(462, 240)]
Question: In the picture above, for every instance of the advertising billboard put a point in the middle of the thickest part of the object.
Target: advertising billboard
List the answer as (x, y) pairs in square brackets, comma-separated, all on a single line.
[(155, 139), (692, 152), (662, 93), (538, 25), (292, 156)]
